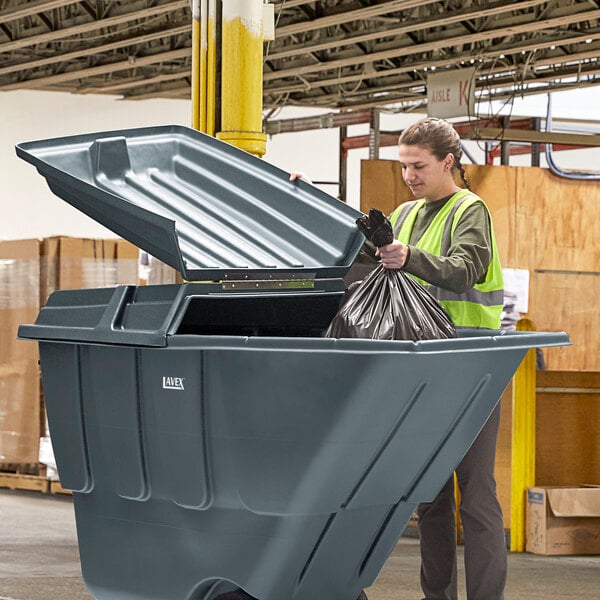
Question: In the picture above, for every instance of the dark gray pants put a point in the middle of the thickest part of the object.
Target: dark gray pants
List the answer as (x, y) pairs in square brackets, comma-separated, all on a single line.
[(483, 527)]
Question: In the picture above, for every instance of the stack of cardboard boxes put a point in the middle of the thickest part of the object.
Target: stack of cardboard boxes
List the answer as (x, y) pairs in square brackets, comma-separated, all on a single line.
[(156, 272), (30, 270), (20, 416)]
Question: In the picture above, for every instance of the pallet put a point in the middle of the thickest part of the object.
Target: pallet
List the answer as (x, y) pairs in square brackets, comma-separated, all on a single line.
[(56, 488), (18, 481), (30, 477)]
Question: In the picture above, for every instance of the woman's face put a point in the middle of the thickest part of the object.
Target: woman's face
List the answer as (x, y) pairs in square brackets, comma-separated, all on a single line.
[(426, 175)]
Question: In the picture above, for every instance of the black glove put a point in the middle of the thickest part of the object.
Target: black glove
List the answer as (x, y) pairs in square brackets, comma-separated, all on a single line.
[(376, 228)]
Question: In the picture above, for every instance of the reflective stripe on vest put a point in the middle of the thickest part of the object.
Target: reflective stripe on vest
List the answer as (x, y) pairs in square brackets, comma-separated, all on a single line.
[(480, 306)]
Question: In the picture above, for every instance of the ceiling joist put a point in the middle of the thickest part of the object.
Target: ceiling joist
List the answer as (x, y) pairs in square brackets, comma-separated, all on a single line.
[(339, 54)]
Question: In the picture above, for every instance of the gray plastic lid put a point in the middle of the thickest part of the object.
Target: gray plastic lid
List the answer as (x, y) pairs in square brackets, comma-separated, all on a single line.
[(200, 205)]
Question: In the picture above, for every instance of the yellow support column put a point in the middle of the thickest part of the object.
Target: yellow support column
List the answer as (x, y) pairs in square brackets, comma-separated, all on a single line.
[(211, 67), (523, 441), (457, 511), (241, 75), (199, 51)]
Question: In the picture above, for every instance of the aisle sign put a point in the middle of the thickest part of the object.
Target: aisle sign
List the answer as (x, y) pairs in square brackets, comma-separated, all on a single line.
[(451, 93)]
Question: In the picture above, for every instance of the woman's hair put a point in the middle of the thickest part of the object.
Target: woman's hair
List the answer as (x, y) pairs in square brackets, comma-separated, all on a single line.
[(439, 137)]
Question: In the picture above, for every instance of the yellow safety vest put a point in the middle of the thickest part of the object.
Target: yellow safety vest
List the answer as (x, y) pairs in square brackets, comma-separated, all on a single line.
[(482, 305)]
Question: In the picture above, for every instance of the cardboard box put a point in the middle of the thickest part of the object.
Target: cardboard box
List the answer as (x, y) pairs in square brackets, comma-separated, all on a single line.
[(76, 263), (158, 273), (563, 520), (66, 264), (30, 270), (127, 259), (20, 409)]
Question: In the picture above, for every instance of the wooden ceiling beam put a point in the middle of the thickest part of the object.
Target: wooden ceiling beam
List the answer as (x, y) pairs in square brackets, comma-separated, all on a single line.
[(32, 8), (419, 66), (347, 16), (452, 18), (82, 52), (134, 83), (291, 3), (175, 93), (100, 70), (53, 36), (535, 26), (533, 137)]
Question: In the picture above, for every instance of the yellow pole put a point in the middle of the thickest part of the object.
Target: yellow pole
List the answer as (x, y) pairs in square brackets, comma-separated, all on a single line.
[(457, 515), (241, 75), (211, 67), (199, 65), (523, 441)]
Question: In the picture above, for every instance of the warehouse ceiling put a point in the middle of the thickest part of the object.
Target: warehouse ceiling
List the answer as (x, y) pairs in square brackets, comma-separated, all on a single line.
[(333, 54)]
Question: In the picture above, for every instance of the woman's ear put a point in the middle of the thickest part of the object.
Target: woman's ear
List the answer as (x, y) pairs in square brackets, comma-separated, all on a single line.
[(449, 162)]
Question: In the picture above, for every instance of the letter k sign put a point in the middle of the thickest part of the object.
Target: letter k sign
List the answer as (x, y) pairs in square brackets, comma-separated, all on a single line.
[(463, 92)]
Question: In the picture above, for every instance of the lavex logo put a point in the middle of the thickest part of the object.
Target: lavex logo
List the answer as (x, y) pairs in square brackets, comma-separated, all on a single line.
[(173, 383)]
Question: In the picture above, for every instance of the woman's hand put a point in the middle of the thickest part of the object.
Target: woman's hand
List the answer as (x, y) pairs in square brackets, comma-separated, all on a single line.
[(298, 175), (394, 255)]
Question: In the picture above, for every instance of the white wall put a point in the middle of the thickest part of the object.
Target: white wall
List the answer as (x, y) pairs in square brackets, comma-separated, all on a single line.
[(316, 152), (29, 209)]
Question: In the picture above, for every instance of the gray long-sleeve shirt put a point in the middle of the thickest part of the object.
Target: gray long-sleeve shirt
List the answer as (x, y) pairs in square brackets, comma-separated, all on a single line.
[(468, 258)]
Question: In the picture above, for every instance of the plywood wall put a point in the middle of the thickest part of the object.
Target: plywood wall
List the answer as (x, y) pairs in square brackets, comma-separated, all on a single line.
[(567, 427), (545, 224)]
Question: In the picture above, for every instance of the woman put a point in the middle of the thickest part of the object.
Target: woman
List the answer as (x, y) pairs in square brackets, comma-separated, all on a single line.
[(446, 241)]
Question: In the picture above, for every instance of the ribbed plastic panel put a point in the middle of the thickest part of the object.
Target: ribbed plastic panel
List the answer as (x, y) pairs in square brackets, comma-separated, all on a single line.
[(287, 467), (202, 206)]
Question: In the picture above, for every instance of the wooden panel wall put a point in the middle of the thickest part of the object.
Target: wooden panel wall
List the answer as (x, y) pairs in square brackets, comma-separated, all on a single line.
[(568, 300), (568, 428), (381, 185), (543, 223), (557, 221), (567, 433)]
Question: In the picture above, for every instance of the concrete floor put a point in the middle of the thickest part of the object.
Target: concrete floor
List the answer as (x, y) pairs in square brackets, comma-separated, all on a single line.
[(39, 560)]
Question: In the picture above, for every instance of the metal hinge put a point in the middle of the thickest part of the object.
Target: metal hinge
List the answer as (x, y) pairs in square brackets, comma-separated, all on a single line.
[(268, 281)]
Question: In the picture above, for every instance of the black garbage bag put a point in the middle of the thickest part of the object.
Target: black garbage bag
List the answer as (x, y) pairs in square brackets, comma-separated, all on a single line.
[(388, 304)]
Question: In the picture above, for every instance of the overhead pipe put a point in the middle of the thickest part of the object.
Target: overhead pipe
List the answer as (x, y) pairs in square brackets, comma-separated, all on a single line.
[(324, 121), (242, 75), (494, 153)]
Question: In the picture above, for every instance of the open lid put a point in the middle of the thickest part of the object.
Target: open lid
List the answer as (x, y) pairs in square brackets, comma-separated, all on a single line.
[(202, 206)]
